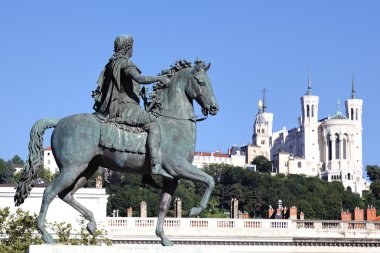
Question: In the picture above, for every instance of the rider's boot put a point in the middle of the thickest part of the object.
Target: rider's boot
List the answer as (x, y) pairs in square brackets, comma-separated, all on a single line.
[(153, 147), (158, 170)]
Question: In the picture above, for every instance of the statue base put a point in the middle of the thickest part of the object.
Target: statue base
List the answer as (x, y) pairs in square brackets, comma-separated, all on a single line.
[(155, 248)]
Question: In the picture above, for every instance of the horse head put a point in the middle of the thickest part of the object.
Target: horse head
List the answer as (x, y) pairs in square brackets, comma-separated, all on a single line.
[(200, 88)]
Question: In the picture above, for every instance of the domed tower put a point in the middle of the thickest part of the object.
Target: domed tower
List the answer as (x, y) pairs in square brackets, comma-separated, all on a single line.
[(262, 128), (309, 125)]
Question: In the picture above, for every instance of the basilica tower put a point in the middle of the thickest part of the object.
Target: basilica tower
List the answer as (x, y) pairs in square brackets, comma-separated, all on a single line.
[(262, 128), (309, 127), (354, 114)]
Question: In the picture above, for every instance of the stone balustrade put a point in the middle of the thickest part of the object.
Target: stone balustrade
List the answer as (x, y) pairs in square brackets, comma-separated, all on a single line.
[(121, 226)]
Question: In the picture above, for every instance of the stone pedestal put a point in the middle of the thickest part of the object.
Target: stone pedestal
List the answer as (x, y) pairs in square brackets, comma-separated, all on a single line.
[(143, 209), (234, 214), (129, 212), (46, 248), (178, 208)]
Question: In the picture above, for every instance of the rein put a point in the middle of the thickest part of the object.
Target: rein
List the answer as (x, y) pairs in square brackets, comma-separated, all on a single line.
[(194, 119)]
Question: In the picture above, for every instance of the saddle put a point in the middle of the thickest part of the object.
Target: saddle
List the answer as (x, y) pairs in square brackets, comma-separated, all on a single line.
[(123, 138)]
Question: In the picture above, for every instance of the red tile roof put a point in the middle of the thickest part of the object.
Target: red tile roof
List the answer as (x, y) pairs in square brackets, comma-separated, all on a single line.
[(215, 154)]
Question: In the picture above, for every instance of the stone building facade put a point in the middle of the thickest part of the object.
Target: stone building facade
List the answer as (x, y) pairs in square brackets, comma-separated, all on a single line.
[(330, 148)]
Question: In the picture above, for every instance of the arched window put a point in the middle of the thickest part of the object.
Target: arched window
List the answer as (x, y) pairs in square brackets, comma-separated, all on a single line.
[(349, 176), (344, 148), (308, 111), (262, 130), (312, 111), (356, 114), (337, 146), (352, 113), (329, 143)]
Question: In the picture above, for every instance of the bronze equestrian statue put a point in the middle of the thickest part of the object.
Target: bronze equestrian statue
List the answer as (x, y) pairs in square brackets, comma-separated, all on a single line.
[(118, 135)]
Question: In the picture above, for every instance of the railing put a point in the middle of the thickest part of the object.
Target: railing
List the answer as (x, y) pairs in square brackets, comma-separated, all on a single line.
[(246, 227)]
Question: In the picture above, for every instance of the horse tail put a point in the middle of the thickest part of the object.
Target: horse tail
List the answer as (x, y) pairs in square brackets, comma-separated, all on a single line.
[(35, 159)]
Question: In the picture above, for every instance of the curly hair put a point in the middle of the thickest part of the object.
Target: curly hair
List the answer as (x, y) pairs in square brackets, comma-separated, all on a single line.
[(123, 43)]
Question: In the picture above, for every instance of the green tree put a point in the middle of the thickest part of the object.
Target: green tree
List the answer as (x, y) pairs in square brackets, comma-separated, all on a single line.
[(45, 174), (16, 160), (262, 164), (375, 189), (373, 172), (18, 231), (6, 172)]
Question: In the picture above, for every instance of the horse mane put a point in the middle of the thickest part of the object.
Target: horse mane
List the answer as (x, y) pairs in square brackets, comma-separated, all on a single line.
[(155, 104)]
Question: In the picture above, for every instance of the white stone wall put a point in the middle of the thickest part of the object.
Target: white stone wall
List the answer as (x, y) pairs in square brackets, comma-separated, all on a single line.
[(93, 199)]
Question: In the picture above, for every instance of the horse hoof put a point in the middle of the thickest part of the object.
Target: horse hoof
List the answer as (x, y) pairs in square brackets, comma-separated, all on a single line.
[(91, 227), (195, 211), (166, 242)]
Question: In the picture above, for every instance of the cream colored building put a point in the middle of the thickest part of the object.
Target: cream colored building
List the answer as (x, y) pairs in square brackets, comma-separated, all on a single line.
[(235, 157), (49, 161), (330, 148)]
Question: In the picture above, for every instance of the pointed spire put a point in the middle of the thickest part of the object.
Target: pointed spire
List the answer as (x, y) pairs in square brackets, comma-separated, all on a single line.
[(353, 87), (308, 85), (338, 107), (264, 101)]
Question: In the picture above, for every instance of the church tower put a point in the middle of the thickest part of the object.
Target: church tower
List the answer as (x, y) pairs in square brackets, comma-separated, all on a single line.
[(262, 128), (309, 127), (354, 106), (354, 114)]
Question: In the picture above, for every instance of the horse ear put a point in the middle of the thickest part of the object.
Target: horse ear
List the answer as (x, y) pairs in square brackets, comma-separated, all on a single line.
[(197, 67), (208, 66)]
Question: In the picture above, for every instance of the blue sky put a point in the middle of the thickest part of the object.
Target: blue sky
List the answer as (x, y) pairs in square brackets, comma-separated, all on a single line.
[(52, 52)]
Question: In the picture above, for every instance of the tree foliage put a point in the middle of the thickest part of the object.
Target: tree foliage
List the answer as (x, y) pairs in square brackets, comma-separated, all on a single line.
[(6, 172), (18, 231), (373, 172), (262, 164)]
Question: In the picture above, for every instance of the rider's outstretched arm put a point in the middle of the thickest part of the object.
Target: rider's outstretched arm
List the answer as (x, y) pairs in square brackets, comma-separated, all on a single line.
[(143, 79)]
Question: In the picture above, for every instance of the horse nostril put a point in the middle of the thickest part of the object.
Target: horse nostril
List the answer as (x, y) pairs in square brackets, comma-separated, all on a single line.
[(214, 108)]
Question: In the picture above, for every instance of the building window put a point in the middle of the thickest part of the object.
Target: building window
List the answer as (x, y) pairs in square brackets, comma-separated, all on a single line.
[(48, 161), (48, 153), (262, 130), (352, 113), (299, 164), (337, 146), (263, 142), (308, 111), (344, 149), (330, 148), (312, 111), (356, 114), (286, 164), (349, 176)]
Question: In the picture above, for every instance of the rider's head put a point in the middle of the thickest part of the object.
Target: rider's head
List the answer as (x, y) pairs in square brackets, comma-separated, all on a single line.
[(123, 44)]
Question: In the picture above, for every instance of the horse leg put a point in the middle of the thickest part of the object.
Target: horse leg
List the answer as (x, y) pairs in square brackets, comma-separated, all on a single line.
[(186, 170), (68, 197), (63, 181), (168, 188)]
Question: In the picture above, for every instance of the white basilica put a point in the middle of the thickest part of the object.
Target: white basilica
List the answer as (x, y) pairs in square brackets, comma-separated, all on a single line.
[(330, 148)]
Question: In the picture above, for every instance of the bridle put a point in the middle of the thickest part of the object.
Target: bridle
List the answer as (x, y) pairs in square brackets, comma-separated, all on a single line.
[(194, 119)]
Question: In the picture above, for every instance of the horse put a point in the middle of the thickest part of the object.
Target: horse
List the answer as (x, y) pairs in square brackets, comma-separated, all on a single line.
[(75, 146)]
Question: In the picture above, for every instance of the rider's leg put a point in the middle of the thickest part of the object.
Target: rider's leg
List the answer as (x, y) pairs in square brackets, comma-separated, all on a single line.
[(154, 136)]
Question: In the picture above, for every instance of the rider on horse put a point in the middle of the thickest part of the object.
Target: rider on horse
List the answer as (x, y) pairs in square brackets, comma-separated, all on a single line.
[(117, 98)]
